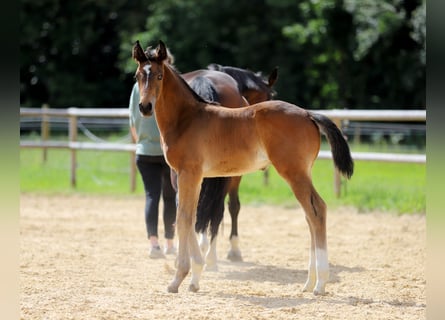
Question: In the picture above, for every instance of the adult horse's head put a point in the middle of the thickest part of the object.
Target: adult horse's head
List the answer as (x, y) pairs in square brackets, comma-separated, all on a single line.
[(253, 86), (149, 74)]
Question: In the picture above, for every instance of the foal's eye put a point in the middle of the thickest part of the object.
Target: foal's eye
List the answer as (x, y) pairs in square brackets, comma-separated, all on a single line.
[(138, 76)]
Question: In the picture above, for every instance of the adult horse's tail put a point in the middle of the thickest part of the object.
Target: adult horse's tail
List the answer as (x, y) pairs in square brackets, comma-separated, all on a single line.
[(213, 190), (210, 210), (339, 147)]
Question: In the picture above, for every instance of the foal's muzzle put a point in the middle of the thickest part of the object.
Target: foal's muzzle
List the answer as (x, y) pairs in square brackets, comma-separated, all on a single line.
[(147, 110)]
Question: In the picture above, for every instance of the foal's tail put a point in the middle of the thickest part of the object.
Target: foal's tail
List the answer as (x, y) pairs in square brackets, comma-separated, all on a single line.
[(339, 147)]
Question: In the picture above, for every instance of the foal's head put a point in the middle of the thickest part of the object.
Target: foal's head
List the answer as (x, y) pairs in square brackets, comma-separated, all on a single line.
[(149, 74)]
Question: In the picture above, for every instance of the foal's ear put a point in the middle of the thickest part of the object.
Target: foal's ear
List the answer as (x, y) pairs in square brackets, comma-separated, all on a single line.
[(161, 52), (273, 77), (138, 53)]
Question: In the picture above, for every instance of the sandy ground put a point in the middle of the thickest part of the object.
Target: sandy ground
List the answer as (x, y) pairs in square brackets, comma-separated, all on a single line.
[(86, 257)]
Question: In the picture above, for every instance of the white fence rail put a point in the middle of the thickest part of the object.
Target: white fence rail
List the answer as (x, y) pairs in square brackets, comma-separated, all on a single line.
[(73, 114), (336, 115)]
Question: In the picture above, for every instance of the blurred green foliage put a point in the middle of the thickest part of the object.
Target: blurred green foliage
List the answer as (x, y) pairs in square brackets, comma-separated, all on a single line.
[(330, 53)]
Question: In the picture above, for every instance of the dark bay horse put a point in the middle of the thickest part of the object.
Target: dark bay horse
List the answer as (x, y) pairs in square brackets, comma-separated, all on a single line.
[(251, 84), (213, 85), (201, 139)]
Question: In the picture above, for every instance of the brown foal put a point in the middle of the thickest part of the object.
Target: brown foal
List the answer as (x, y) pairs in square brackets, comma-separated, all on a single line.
[(201, 139)]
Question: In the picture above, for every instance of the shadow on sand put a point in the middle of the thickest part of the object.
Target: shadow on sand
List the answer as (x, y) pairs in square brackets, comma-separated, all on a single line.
[(254, 272)]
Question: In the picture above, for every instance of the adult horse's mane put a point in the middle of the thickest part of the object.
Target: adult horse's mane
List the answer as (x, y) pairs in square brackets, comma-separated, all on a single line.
[(152, 56), (247, 80)]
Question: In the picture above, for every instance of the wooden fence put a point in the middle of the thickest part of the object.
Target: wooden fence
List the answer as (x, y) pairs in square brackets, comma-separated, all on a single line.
[(73, 114)]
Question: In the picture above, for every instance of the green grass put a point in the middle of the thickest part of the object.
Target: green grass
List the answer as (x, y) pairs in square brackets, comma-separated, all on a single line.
[(392, 187), (100, 172)]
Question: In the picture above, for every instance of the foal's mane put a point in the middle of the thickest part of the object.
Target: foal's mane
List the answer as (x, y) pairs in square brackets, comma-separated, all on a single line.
[(246, 79)]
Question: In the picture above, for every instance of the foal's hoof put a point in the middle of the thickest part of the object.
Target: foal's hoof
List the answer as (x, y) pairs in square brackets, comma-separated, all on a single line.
[(172, 289), (309, 286), (211, 267), (193, 288), (319, 289), (234, 256), (319, 292), (316, 292)]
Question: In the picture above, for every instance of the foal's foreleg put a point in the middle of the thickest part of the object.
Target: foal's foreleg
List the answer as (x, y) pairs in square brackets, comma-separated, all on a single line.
[(183, 257), (197, 261), (188, 192)]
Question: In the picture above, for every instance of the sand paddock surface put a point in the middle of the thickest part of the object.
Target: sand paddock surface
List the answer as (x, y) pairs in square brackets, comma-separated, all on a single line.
[(86, 257)]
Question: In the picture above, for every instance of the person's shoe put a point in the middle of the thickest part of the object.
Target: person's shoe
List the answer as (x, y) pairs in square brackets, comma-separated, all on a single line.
[(156, 253), (171, 250)]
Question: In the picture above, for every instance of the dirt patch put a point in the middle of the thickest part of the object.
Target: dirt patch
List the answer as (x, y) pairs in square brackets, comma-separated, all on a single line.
[(86, 257)]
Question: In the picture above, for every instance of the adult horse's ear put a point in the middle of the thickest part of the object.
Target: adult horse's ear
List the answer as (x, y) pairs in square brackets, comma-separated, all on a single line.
[(273, 77), (138, 53), (161, 51)]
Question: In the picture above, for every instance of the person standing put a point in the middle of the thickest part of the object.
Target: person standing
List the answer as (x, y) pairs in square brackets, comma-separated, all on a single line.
[(155, 174)]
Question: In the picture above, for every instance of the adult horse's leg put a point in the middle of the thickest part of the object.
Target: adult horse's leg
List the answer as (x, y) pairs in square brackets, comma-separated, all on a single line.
[(188, 191), (234, 253)]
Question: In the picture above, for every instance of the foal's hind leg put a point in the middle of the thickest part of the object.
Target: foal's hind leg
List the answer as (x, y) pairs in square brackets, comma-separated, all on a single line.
[(234, 253), (312, 275), (315, 211)]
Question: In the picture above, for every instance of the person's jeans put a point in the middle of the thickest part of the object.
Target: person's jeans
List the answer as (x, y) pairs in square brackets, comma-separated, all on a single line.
[(155, 174)]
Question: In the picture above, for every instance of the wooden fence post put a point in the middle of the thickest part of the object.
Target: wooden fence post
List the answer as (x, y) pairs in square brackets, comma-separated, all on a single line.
[(266, 176), (44, 128), (133, 172), (73, 137)]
